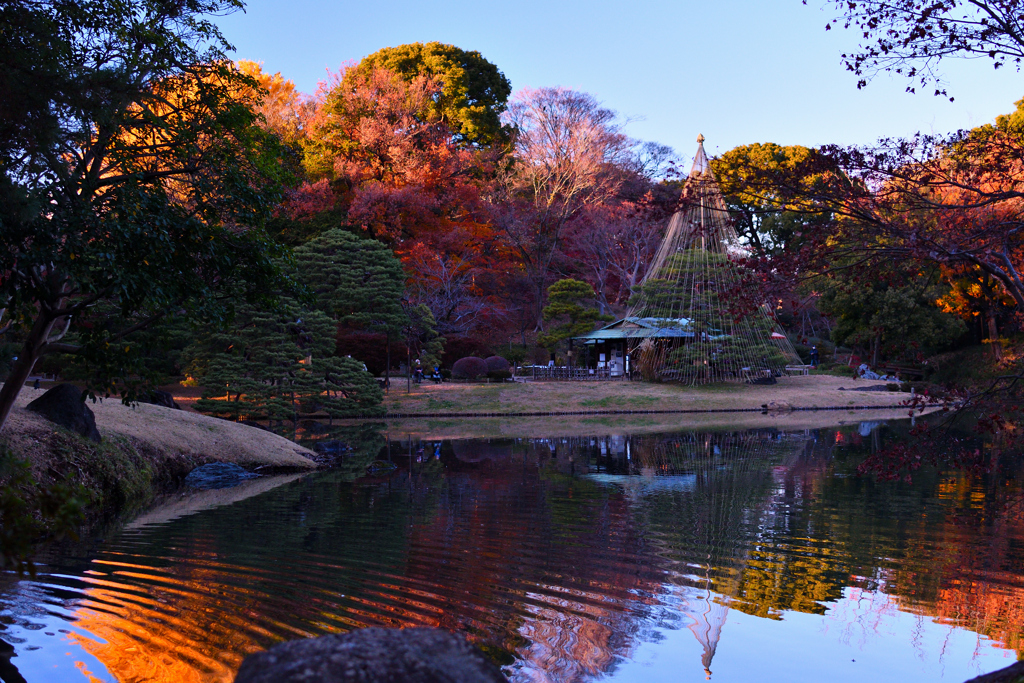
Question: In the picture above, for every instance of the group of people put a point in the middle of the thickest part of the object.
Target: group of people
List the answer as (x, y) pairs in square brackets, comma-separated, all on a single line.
[(418, 375)]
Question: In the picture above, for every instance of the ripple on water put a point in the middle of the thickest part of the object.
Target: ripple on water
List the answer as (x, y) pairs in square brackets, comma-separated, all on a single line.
[(563, 563)]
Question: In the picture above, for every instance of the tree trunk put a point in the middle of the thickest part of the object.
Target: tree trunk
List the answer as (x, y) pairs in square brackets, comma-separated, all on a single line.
[(993, 337), (540, 306), (875, 344), (30, 353), (387, 368)]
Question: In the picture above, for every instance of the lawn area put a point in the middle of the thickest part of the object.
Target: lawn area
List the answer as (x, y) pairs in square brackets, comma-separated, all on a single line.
[(812, 391), (434, 428)]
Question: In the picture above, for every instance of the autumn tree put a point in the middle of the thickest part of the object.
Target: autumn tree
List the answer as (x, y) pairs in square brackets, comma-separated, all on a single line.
[(399, 173), (473, 92), (446, 283), (611, 244), (952, 201), (974, 295), (568, 154), (280, 104), (133, 173)]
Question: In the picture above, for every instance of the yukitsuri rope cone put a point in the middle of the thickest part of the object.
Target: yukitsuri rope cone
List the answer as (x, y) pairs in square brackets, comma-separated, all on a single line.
[(696, 319)]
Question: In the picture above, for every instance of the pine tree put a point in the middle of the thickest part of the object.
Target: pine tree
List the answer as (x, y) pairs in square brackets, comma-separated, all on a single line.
[(279, 364)]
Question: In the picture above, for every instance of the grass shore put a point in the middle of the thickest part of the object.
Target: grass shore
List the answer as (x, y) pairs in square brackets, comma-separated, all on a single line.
[(595, 408), (145, 449), (438, 428), (809, 391)]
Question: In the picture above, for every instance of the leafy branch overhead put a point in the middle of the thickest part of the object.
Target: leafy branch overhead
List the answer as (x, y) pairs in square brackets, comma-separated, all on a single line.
[(911, 37), (134, 173)]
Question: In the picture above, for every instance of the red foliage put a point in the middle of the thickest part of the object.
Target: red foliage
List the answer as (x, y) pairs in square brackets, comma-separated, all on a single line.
[(308, 199)]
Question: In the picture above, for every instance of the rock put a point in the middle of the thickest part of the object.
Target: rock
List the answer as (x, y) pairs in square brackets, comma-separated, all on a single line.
[(373, 655), (217, 475), (160, 398), (63, 405), (1011, 674)]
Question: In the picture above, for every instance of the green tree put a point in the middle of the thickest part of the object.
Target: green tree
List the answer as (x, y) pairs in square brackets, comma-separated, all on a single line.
[(354, 280), (30, 511), (474, 92), (421, 335), (566, 304), (132, 172), (279, 364), (893, 317), (752, 178), (359, 283)]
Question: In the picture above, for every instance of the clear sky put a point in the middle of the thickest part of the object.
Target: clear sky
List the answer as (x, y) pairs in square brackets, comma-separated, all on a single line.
[(738, 71)]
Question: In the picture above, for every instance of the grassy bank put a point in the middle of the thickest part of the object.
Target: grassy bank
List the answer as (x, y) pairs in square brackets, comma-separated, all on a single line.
[(437, 428), (812, 391), (145, 450)]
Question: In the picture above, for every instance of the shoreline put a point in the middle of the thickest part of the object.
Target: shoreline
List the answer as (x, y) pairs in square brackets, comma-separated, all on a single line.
[(146, 450), (539, 398), (766, 410)]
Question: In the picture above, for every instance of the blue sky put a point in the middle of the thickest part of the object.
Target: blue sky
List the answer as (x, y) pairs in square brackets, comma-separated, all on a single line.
[(738, 71)]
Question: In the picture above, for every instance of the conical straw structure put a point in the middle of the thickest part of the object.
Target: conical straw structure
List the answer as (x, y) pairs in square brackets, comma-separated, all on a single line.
[(695, 318)]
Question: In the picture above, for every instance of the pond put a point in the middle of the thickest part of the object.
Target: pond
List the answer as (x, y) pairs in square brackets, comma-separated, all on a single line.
[(681, 556)]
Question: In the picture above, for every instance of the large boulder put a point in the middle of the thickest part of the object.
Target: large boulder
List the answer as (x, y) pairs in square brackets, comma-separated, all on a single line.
[(160, 398), (372, 655), (64, 405), (469, 367)]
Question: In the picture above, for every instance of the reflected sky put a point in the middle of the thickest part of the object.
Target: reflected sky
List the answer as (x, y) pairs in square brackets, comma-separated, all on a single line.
[(676, 556)]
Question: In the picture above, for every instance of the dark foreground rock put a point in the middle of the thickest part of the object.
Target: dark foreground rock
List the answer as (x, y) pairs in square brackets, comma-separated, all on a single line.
[(1011, 674), (63, 405), (160, 398), (372, 655)]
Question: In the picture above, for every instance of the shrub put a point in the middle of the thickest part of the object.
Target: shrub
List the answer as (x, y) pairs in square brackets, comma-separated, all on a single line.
[(500, 375), (469, 367), (496, 364)]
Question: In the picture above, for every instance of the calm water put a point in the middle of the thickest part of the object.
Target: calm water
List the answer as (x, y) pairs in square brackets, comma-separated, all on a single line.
[(673, 557)]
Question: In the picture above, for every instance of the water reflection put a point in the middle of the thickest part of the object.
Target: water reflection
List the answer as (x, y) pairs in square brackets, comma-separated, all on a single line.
[(625, 557)]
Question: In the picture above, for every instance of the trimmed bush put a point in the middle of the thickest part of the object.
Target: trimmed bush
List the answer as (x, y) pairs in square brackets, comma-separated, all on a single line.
[(501, 375), (496, 364), (469, 367)]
